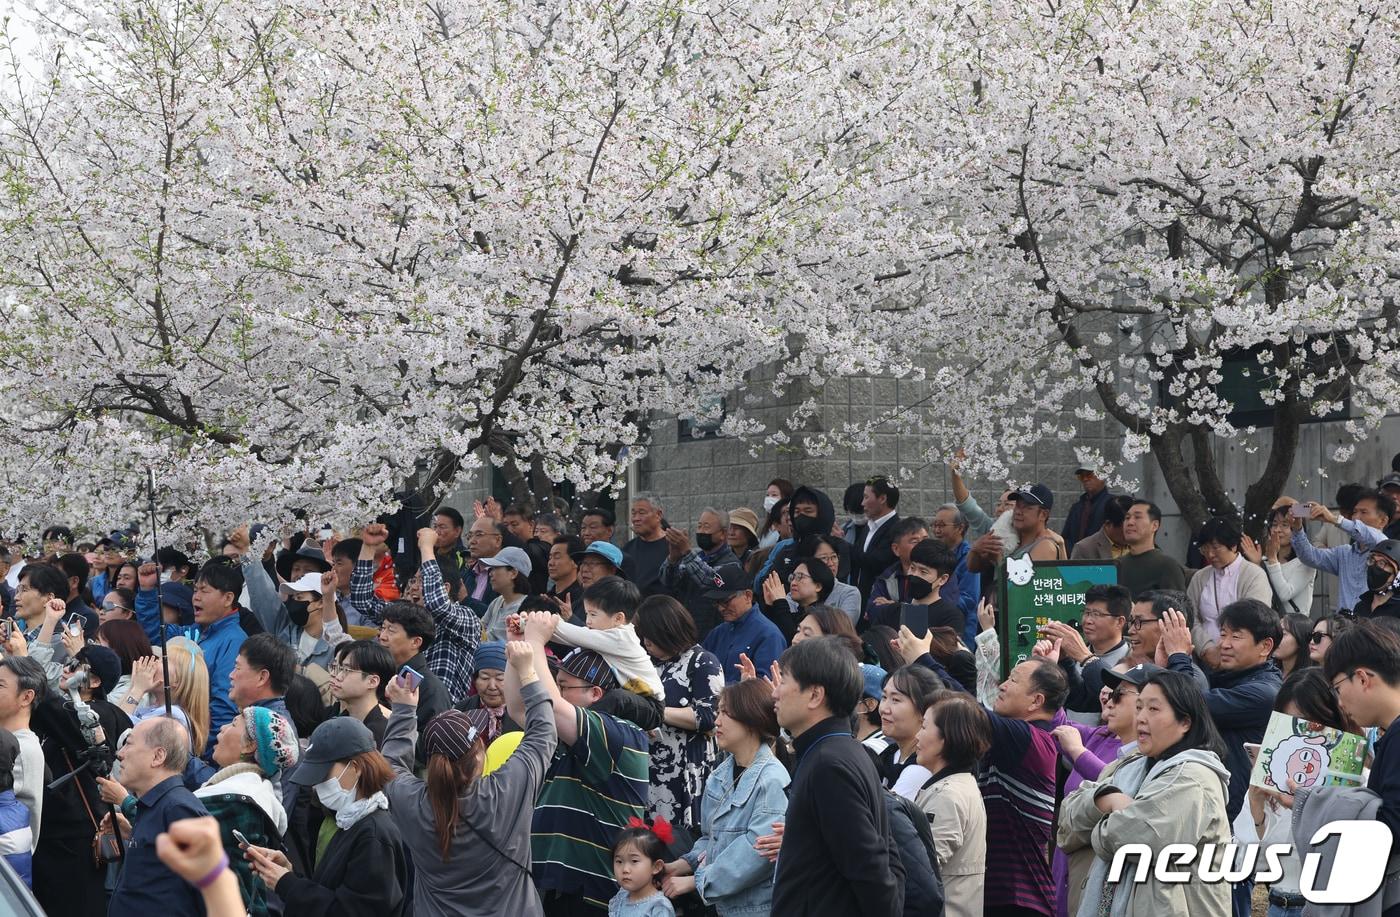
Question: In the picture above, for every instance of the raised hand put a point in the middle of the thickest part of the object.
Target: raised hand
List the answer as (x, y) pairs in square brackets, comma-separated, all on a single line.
[(1072, 645), (148, 576), (910, 646), (399, 692), (427, 542), (191, 847), (538, 626), (374, 535), (1047, 649), (520, 655), (1071, 742), (986, 615), (1176, 636), (773, 590), (1250, 549), (239, 539), (746, 668)]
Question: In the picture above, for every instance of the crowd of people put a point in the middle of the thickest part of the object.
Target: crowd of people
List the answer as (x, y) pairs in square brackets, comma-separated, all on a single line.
[(777, 712)]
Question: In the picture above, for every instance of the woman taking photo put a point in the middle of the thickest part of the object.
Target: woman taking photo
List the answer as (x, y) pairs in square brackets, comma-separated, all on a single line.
[(189, 689), (908, 692), (1290, 579), (743, 798), (1171, 792), (362, 872), (470, 835), (683, 753), (953, 737)]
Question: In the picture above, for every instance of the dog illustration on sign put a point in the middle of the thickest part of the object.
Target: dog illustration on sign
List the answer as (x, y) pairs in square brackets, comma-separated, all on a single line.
[(1019, 570)]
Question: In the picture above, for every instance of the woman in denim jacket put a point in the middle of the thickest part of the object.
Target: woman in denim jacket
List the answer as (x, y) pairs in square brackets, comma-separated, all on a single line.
[(743, 798)]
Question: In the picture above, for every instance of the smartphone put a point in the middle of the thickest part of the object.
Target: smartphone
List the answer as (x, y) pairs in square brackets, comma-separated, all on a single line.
[(411, 677), (74, 625), (1252, 749), (915, 617), (326, 533), (664, 524), (238, 835), (5, 627), (1300, 510)]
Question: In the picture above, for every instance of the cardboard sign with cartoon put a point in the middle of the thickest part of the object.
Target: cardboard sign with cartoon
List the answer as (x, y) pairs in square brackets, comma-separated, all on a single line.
[(1308, 754)]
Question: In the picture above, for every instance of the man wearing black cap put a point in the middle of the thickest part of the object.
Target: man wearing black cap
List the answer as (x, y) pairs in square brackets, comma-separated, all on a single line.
[(597, 781), (743, 630), (1382, 596), (1030, 517)]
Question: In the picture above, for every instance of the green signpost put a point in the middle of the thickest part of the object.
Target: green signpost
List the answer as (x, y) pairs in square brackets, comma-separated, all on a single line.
[(1034, 593)]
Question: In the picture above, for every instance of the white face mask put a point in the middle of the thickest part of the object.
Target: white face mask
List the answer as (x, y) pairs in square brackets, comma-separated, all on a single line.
[(332, 795), (769, 503)]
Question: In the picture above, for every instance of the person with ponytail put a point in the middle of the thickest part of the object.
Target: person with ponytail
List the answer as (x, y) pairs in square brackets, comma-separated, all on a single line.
[(743, 798), (469, 834)]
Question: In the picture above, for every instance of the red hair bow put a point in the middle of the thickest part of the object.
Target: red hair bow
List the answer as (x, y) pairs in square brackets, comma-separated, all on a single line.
[(660, 827)]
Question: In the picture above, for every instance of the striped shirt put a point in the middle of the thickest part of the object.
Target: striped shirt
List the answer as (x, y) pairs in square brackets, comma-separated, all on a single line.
[(592, 788), (1018, 788)]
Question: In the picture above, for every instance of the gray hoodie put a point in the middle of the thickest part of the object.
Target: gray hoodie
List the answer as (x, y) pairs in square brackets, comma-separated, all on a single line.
[(1180, 799), (487, 871), (1313, 808)]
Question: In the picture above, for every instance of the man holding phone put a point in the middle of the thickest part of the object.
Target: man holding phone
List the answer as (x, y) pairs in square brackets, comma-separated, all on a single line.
[(930, 566)]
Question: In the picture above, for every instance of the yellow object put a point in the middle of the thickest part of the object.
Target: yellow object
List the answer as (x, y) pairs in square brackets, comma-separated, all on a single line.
[(500, 750)]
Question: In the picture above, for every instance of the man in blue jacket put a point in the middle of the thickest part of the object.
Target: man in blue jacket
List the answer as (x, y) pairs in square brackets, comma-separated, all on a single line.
[(743, 630), (219, 636), (1240, 694)]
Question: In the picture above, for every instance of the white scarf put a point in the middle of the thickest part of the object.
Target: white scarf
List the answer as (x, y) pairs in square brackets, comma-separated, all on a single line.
[(347, 816)]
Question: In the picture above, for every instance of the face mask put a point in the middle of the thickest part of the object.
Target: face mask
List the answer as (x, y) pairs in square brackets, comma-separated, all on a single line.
[(919, 588), (334, 796), (298, 611), (802, 526), (1378, 579), (859, 519), (769, 503), (704, 541)]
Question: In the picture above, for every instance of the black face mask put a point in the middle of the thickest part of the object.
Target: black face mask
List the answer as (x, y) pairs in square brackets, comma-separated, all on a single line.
[(705, 541), (802, 526), (298, 611), (919, 588), (1378, 579)]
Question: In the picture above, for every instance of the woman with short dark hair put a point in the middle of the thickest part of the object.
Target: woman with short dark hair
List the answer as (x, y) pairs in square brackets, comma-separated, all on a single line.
[(1171, 792), (683, 751), (954, 736)]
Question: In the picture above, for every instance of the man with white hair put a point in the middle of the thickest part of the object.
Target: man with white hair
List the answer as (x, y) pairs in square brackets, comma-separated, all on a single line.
[(688, 574), (643, 556)]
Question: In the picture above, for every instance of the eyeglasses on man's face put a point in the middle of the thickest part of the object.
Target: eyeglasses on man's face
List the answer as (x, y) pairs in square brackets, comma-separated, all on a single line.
[(1136, 623)]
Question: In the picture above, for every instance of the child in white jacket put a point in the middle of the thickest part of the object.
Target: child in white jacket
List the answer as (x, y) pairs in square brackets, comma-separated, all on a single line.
[(610, 605)]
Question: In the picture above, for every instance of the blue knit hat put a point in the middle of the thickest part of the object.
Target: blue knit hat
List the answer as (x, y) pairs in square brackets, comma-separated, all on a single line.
[(274, 744), (490, 655)]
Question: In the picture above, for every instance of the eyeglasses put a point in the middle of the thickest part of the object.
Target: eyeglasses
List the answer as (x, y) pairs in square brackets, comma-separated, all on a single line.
[(1137, 623), (1318, 636), (343, 670), (1095, 613), (1337, 685), (798, 577)]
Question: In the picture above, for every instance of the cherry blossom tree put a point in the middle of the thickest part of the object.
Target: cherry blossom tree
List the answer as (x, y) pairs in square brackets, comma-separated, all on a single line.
[(296, 253), (1151, 195)]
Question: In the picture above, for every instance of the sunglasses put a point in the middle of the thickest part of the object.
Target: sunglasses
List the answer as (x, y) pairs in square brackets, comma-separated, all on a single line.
[(1318, 636)]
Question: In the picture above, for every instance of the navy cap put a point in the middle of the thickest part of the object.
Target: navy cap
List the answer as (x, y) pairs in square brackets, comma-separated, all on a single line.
[(728, 579), (1036, 495), (339, 738), (1136, 676)]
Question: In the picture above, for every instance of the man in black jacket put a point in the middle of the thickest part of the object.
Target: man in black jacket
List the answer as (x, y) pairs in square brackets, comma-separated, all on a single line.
[(871, 551), (838, 852)]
